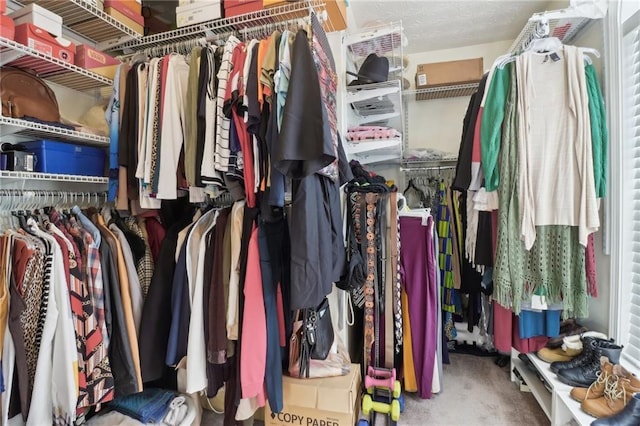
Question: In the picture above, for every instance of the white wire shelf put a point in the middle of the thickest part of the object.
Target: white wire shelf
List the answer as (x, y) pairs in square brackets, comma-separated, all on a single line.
[(374, 146), (563, 24), (87, 20), (48, 67), (6, 174), (18, 127), (453, 91), (248, 23), (417, 164)]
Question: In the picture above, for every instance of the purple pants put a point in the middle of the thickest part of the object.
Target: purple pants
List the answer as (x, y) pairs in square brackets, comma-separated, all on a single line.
[(419, 277)]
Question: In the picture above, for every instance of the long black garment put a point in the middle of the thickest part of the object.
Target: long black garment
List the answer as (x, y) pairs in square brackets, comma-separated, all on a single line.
[(128, 137), (462, 179), (120, 355), (155, 324)]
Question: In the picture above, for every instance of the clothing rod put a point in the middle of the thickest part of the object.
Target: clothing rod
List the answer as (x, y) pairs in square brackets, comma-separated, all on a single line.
[(19, 199), (418, 169)]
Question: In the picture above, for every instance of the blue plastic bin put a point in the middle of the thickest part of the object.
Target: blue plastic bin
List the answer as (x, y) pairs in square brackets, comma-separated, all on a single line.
[(66, 158)]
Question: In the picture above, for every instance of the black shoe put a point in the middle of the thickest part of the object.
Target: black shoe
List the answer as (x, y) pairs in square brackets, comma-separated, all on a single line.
[(581, 359), (584, 375), (630, 416)]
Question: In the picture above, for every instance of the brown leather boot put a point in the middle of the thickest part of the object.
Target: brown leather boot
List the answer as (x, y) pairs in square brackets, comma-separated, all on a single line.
[(617, 394), (596, 390)]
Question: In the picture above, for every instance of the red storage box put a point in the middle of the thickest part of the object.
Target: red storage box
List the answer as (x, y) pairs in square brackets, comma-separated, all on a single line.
[(96, 61), (3, 6), (127, 8), (240, 7), (7, 28), (40, 40)]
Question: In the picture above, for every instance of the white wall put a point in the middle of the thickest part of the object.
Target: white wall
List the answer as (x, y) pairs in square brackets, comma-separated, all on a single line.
[(438, 123)]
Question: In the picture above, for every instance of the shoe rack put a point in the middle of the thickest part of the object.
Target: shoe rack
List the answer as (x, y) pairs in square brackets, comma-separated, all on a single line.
[(552, 395)]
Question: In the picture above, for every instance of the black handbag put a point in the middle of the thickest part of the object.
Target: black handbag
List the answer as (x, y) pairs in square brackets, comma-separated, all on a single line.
[(320, 319), (354, 276)]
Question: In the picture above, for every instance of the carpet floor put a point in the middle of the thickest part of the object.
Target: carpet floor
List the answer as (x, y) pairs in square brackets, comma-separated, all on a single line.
[(476, 392)]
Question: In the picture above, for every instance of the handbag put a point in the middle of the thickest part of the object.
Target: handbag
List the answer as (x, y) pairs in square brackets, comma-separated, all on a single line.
[(319, 320), (25, 95), (354, 276)]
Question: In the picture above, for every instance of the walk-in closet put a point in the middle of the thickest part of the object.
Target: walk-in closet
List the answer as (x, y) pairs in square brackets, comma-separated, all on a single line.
[(319, 212)]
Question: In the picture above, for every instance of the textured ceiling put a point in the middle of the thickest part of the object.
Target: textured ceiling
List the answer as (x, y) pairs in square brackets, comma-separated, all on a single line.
[(432, 25)]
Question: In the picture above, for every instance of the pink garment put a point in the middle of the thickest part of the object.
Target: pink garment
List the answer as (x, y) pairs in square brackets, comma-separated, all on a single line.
[(253, 353), (590, 266), (506, 333)]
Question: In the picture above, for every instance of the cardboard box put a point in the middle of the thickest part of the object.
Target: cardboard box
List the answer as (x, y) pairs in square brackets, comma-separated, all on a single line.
[(96, 61), (131, 5), (40, 17), (135, 25), (240, 7), (7, 27), (40, 40), (196, 13), (125, 8), (447, 73), (336, 12), (332, 401)]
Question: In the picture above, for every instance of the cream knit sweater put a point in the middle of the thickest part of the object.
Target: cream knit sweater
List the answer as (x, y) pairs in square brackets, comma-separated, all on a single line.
[(556, 179)]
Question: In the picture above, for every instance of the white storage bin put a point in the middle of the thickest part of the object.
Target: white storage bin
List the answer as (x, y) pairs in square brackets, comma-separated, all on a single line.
[(40, 17), (196, 13)]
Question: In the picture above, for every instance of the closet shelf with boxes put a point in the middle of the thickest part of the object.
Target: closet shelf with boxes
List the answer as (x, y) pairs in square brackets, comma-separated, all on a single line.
[(46, 66), (43, 144), (333, 12), (97, 20)]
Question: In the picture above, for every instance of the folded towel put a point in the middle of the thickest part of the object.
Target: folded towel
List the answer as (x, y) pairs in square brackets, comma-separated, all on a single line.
[(149, 406)]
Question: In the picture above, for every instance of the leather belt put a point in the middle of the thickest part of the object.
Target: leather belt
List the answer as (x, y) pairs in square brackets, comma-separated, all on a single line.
[(371, 200)]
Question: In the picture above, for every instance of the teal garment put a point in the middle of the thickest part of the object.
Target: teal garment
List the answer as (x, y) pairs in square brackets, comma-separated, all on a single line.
[(491, 125), (555, 265), (599, 132)]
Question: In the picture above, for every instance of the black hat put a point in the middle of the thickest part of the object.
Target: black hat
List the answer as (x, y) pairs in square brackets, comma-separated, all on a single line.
[(374, 69)]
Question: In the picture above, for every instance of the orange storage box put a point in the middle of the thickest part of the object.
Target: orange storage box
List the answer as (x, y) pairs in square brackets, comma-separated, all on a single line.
[(40, 40), (134, 6), (240, 7), (136, 24), (3, 6)]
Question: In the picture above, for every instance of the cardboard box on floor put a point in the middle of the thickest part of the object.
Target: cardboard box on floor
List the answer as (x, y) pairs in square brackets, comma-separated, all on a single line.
[(331, 401), (450, 72)]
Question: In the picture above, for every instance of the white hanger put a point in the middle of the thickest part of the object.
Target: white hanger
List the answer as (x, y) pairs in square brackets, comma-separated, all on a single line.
[(547, 44)]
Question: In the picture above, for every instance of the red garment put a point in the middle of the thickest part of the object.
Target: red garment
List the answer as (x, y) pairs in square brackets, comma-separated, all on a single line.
[(245, 139), (156, 233), (253, 355), (590, 266), (506, 333)]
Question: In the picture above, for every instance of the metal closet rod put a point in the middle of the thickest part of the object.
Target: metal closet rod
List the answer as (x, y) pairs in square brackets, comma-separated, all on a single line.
[(26, 199)]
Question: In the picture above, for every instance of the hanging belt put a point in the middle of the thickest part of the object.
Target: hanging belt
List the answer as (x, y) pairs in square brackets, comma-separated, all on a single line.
[(394, 242), (358, 213), (369, 288)]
